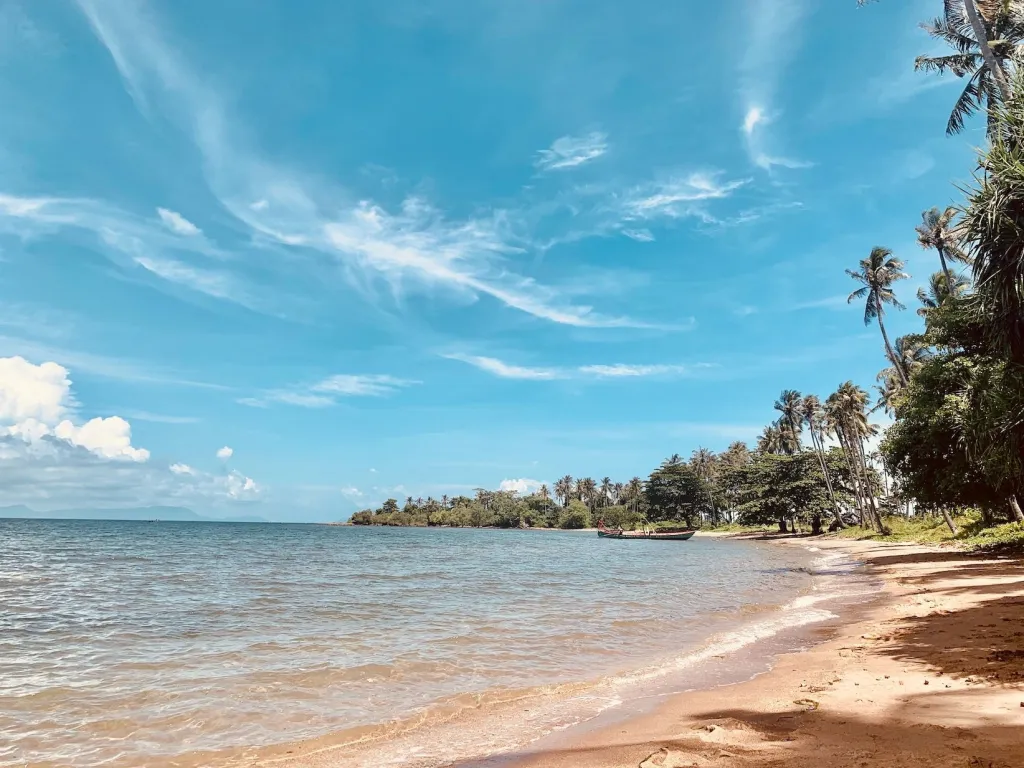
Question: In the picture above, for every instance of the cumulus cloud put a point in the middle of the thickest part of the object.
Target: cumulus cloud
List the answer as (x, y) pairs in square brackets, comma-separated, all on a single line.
[(521, 485), (36, 402), (225, 453), (177, 223), (50, 458), (572, 151)]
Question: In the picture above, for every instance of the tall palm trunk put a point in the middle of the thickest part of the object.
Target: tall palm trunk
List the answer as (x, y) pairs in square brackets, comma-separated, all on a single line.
[(820, 451), (854, 476), (876, 516), (897, 363), (981, 35), (945, 270)]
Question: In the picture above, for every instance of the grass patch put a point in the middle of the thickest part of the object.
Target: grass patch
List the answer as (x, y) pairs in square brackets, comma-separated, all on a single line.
[(972, 533)]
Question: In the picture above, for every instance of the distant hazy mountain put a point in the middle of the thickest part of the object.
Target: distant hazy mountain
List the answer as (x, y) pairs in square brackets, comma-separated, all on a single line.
[(127, 513)]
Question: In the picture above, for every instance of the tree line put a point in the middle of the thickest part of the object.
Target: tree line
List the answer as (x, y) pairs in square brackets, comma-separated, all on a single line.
[(954, 389)]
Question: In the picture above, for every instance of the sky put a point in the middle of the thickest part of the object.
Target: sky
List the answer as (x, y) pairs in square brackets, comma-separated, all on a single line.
[(291, 259)]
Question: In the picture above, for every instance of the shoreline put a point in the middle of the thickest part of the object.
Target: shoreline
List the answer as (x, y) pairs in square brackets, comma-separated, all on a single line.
[(869, 688), (931, 673)]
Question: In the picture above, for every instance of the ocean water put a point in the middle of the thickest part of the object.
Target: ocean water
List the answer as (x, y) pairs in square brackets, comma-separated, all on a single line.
[(132, 643)]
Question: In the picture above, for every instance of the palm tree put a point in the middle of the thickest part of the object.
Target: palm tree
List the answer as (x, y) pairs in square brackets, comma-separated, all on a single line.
[(605, 496), (939, 290), (984, 45), (634, 490), (814, 416), (563, 489), (770, 439), (790, 405), (846, 416), (877, 274), (586, 491), (934, 232), (543, 491)]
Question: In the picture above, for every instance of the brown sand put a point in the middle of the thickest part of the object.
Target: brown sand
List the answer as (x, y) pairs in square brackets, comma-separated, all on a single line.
[(931, 675)]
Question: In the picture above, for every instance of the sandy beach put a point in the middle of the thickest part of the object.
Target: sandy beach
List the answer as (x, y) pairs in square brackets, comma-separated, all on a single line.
[(929, 674)]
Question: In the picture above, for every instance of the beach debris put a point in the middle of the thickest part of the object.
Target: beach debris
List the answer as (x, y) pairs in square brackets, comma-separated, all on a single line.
[(809, 704)]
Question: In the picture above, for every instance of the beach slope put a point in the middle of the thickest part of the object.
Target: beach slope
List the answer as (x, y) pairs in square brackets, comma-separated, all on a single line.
[(930, 674)]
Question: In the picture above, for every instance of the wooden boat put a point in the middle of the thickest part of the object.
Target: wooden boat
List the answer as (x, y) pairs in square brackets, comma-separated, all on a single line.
[(647, 533)]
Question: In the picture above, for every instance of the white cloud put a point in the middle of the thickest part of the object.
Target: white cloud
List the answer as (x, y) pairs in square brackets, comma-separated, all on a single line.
[(416, 246), (522, 485), (373, 385), (49, 459), (679, 196), (640, 235), (572, 151), (352, 492), (238, 486), (178, 223), (326, 392), (620, 370), (225, 453), (754, 117), (109, 437), (504, 370), (36, 402), (28, 391), (754, 123), (130, 242)]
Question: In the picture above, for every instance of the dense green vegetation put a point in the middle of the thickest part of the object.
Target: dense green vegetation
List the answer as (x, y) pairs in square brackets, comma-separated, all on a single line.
[(951, 465)]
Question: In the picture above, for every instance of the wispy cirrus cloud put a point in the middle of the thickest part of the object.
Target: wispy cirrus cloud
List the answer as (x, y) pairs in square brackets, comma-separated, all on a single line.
[(178, 223), (572, 151), (415, 247), (132, 242), (506, 370), (761, 67), (754, 124), (327, 392), (678, 197)]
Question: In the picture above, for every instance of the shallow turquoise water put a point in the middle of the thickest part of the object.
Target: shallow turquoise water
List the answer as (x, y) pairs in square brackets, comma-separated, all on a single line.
[(133, 642)]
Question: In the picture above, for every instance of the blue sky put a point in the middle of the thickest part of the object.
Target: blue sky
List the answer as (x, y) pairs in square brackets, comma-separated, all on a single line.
[(417, 247)]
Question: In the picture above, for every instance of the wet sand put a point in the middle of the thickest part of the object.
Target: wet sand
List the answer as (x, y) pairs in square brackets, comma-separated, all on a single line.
[(929, 674)]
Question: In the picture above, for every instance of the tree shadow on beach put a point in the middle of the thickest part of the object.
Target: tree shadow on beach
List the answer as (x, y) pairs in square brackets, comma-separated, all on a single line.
[(798, 737)]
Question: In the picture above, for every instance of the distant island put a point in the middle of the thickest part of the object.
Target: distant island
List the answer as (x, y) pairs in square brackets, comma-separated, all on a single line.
[(179, 514)]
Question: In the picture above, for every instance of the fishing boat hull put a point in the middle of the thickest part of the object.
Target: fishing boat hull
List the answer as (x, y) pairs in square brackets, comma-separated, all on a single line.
[(650, 535)]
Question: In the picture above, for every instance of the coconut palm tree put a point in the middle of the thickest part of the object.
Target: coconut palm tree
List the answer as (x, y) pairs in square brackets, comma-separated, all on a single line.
[(846, 416), (634, 491), (543, 491), (563, 489), (877, 274), (934, 232), (605, 496), (586, 491), (984, 46), (938, 291), (814, 416), (790, 405), (770, 439)]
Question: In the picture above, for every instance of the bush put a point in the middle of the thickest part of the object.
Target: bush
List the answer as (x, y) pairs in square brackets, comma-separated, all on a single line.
[(575, 516)]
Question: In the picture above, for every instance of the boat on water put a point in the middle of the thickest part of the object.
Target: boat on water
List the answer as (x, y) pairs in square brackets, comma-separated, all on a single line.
[(681, 534)]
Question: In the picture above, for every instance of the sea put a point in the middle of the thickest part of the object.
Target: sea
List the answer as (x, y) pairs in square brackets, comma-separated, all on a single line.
[(220, 644)]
